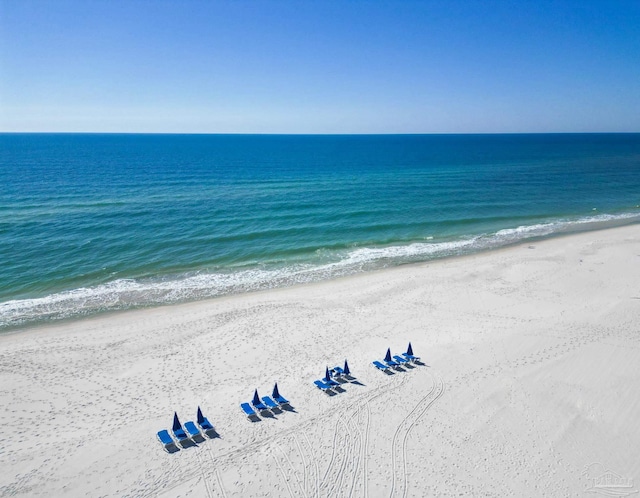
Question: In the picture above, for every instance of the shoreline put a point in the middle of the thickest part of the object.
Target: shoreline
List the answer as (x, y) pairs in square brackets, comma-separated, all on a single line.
[(531, 356), (576, 230)]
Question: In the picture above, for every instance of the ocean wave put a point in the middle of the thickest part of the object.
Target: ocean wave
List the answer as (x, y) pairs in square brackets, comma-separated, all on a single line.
[(565, 225), (123, 294)]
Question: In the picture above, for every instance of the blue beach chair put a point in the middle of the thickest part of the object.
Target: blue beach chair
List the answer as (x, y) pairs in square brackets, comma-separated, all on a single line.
[(337, 372), (269, 402), (257, 403), (409, 354), (328, 380), (177, 430), (322, 385), (249, 412), (276, 395), (165, 438), (388, 360), (380, 366), (401, 360), (167, 441), (203, 422), (192, 429)]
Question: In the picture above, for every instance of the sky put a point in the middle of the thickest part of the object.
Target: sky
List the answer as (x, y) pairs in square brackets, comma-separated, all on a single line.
[(323, 66)]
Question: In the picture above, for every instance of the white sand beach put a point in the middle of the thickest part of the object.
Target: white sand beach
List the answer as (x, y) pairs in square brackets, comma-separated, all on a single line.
[(530, 385)]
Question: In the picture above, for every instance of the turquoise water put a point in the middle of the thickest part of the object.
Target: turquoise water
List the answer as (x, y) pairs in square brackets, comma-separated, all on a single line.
[(92, 223)]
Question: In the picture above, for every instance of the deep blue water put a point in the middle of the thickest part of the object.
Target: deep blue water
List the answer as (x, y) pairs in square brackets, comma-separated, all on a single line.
[(92, 223)]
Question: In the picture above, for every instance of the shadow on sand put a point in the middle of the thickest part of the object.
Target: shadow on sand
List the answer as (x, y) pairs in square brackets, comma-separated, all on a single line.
[(188, 443), (171, 448), (212, 434), (198, 438)]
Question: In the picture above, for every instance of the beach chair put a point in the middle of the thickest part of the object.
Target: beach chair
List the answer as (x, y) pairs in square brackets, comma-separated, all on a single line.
[(249, 412), (257, 403), (342, 373), (269, 402), (380, 366), (180, 434), (409, 354), (203, 422), (401, 360), (260, 406), (177, 429), (192, 429), (165, 438), (276, 395), (323, 386), (336, 372), (328, 380), (389, 361)]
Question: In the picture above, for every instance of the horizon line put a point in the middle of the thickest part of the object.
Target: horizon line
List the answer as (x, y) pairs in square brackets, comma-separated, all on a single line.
[(316, 134)]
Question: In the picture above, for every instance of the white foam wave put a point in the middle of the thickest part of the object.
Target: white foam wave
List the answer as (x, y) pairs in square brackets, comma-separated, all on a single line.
[(416, 249), (559, 226), (128, 293)]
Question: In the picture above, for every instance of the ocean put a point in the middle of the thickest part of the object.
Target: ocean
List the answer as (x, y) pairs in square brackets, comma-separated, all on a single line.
[(91, 223)]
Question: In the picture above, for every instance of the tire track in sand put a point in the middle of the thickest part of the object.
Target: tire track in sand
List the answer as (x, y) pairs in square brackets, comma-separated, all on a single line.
[(399, 484), (204, 474), (315, 464), (350, 448), (293, 471), (284, 477), (216, 471), (306, 468), (343, 441), (219, 479), (363, 412), (334, 486)]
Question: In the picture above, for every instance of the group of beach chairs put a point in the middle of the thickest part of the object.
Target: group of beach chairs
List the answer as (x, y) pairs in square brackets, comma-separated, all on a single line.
[(333, 378), (188, 435), (265, 406), (396, 362)]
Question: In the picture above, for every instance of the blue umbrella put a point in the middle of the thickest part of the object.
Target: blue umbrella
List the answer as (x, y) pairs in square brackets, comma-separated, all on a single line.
[(410, 350), (388, 356), (346, 368), (327, 377), (176, 423), (276, 393), (256, 398), (200, 416)]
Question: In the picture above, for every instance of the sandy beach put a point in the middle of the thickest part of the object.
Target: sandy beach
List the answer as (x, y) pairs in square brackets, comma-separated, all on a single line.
[(529, 385)]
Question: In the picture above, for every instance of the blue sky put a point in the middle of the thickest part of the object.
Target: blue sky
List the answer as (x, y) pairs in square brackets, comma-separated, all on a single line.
[(324, 66)]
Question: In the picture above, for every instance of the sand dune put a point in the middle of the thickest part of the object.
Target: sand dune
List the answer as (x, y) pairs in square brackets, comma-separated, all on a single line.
[(529, 388)]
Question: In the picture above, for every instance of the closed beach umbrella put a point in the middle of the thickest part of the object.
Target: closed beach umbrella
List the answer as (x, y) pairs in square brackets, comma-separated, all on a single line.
[(176, 422), (256, 398), (346, 368), (410, 350), (388, 356), (200, 416), (276, 393), (326, 375)]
